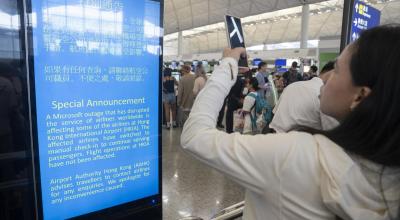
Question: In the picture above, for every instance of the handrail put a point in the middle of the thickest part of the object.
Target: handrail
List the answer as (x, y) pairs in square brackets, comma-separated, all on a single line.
[(230, 213), (191, 218)]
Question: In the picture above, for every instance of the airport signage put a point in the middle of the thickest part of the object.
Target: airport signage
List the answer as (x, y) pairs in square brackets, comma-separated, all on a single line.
[(364, 17)]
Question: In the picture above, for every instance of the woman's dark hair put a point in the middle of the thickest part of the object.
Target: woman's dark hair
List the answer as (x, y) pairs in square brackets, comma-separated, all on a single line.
[(167, 72), (254, 83), (372, 129)]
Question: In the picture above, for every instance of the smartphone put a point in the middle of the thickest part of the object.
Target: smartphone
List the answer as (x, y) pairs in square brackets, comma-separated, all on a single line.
[(234, 32)]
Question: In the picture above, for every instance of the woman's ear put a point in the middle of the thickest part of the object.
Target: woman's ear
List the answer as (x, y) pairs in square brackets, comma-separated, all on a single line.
[(362, 93)]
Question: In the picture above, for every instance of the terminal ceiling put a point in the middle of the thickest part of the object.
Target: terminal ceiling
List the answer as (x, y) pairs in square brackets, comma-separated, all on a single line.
[(187, 14), (264, 21)]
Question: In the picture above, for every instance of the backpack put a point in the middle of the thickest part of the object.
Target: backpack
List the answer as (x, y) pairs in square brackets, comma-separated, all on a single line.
[(263, 113)]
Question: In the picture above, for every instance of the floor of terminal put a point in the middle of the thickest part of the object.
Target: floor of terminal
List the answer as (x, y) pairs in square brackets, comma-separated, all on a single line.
[(191, 188)]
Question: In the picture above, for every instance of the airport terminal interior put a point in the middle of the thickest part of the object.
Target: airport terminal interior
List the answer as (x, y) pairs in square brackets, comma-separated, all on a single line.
[(151, 109)]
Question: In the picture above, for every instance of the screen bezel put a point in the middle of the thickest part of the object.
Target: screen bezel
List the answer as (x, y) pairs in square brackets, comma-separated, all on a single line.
[(346, 23), (149, 207)]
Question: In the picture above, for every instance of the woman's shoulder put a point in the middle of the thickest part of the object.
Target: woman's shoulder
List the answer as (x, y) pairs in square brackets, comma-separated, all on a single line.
[(312, 154), (315, 147)]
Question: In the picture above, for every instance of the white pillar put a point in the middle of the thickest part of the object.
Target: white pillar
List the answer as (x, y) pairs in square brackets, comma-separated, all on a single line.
[(304, 26), (180, 43)]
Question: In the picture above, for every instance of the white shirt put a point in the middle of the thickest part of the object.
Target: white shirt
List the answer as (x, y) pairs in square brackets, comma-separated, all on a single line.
[(288, 175), (299, 104)]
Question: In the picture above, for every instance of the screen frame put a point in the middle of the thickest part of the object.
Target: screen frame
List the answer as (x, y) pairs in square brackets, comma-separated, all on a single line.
[(149, 207), (346, 24)]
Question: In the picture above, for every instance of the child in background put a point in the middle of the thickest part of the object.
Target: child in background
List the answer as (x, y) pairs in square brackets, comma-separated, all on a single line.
[(249, 107)]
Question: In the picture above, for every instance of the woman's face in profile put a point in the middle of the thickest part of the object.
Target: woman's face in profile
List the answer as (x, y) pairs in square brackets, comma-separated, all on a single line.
[(339, 93)]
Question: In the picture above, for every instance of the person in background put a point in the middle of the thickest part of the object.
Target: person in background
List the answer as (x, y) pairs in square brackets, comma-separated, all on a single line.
[(169, 98), (200, 81), (185, 92), (261, 76), (292, 75), (221, 115), (249, 106), (299, 105), (311, 74), (351, 172), (313, 71), (279, 84), (234, 101)]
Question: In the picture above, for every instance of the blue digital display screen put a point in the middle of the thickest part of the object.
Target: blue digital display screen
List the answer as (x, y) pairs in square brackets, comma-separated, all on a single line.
[(96, 71), (364, 17), (174, 65), (256, 61), (280, 65), (280, 62)]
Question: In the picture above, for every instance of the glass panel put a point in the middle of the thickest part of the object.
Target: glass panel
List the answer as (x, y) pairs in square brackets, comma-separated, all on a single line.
[(16, 188)]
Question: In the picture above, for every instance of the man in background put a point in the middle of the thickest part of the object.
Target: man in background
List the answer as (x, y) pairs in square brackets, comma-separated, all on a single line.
[(261, 77), (311, 74), (234, 101), (299, 105), (292, 75), (185, 92)]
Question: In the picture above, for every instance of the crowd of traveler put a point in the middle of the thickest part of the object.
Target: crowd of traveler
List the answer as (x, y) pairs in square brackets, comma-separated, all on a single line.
[(178, 98)]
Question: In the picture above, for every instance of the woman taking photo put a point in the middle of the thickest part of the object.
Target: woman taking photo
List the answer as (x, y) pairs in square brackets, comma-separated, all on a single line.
[(351, 172)]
